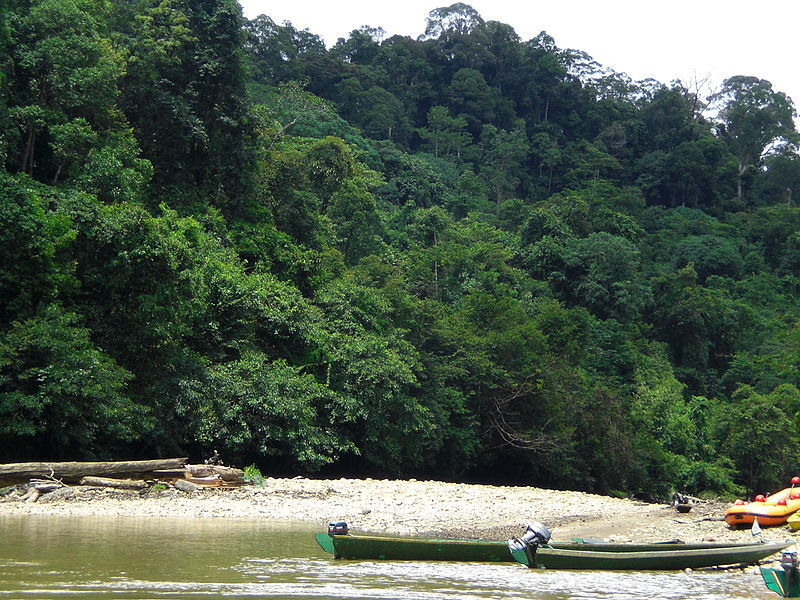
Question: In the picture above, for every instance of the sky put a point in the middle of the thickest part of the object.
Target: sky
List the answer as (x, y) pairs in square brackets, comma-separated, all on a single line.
[(694, 41)]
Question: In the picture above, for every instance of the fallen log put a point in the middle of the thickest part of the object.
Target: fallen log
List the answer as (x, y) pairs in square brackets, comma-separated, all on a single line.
[(32, 495), (38, 488), (224, 473), (45, 487), (214, 481), (123, 484), (198, 471), (74, 471)]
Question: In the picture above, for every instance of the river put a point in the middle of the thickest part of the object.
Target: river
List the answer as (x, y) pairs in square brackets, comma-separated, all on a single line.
[(44, 557)]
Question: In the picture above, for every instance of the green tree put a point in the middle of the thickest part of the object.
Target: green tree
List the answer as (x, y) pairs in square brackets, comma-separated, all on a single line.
[(445, 135), (457, 18), (384, 116), (470, 97), (602, 273), (753, 120), (60, 395), (709, 255), (356, 220), (503, 154), (284, 107), (255, 409), (184, 93), (757, 432), (34, 243), (5, 51), (63, 98), (277, 52)]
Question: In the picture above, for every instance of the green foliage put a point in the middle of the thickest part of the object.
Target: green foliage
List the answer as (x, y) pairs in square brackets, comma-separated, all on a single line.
[(58, 388), (254, 407), (446, 135), (184, 94), (33, 243), (753, 117), (459, 256), (601, 272), (253, 476), (757, 432), (63, 96)]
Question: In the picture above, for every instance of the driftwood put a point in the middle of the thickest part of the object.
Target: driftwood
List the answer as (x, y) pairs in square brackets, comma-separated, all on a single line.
[(214, 481), (224, 473), (124, 484), (193, 472), (131, 475), (186, 486), (37, 488), (32, 495), (74, 471)]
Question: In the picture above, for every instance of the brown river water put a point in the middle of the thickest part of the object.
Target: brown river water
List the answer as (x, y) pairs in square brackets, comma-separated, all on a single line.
[(53, 557)]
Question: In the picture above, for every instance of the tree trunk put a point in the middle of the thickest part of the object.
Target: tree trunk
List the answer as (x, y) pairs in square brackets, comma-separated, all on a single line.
[(742, 170), (73, 471), (27, 157), (123, 484)]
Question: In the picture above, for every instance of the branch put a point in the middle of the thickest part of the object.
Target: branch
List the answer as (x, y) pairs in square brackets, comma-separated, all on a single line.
[(501, 423)]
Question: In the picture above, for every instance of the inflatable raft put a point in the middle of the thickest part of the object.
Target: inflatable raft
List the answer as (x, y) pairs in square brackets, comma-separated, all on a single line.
[(770, 511)]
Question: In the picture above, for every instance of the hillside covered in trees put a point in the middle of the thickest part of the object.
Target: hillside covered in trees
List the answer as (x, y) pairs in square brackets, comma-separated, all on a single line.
[(464, 256)]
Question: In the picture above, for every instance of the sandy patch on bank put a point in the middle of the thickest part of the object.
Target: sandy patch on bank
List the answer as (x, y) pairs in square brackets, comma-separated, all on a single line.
[(409, 508)]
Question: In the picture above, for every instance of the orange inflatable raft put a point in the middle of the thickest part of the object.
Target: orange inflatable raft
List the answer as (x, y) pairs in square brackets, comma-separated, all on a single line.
[(770, 511)]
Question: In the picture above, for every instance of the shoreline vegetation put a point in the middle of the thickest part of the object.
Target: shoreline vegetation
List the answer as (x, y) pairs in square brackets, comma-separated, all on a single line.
[(404, 507), (467, 254)]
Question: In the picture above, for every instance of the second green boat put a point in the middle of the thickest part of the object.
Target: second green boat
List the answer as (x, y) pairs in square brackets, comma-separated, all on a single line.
[(534, 551)]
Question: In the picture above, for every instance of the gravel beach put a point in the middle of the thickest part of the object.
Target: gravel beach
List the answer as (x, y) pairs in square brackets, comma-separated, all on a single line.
[(407, 507)]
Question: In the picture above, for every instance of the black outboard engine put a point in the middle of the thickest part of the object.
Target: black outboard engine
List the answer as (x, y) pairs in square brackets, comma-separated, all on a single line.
[(789, 561), (338, 528), (536, 534)]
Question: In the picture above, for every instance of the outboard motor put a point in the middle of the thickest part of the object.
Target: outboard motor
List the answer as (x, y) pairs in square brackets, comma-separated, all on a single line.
[(338, 528), (536, 534), (789, 562)]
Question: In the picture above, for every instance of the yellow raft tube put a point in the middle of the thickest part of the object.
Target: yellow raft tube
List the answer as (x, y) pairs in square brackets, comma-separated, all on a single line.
[(771, 511), (794, 521)]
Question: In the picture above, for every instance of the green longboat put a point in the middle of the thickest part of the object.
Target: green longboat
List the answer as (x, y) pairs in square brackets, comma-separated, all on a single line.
[(784, 581), (654, 558), (406, 548)]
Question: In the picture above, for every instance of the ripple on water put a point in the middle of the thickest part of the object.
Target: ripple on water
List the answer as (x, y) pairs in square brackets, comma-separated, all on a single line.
[(92, 559)]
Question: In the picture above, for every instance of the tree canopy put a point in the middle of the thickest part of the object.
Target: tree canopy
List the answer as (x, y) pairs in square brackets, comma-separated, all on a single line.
[(465, 255)]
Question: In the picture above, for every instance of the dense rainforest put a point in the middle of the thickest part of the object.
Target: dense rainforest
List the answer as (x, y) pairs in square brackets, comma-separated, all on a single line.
[(465, 256)]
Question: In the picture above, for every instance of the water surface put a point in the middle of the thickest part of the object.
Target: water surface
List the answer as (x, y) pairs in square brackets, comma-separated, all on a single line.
[(47, 557)]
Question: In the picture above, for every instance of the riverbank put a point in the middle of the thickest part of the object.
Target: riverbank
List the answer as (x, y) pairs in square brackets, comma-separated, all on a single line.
[(406, 507)]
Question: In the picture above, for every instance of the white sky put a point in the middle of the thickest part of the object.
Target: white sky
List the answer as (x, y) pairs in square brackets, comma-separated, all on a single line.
[(689, 40)]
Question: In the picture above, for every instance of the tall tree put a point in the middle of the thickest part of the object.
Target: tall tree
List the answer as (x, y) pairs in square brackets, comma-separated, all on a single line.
[(63, 100), (445, 135), (185, 94), (502, 155), (754, 119), (458, 18)]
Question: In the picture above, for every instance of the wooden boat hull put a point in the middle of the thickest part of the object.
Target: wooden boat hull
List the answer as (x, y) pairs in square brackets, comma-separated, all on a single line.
[(769, 512), (546, 557), (782, 582)]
